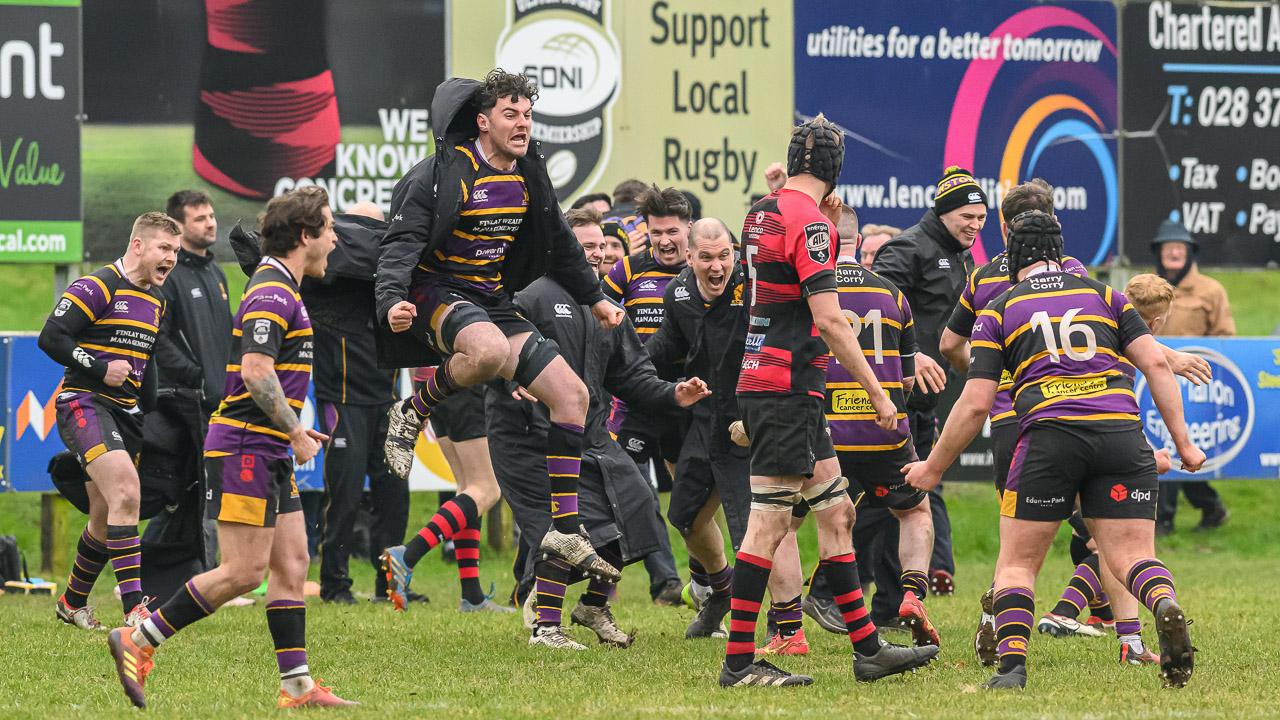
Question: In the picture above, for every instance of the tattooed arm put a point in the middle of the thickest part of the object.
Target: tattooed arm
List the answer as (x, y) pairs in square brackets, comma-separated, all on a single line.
[(260, 378)]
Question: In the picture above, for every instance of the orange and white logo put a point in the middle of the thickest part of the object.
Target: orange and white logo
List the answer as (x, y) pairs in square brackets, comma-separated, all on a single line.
[(35, 415)]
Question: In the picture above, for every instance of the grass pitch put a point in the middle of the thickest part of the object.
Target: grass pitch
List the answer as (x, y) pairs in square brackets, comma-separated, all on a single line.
[(433, 662)]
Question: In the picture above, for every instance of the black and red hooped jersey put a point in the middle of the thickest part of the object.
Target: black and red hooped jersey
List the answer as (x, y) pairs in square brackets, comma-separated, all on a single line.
[(788, 251)]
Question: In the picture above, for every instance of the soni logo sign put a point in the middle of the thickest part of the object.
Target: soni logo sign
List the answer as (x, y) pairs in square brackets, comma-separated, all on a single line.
[(1219, 414), (568, 50)]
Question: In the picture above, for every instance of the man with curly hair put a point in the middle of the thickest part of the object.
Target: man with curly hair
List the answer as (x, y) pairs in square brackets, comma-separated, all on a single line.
[(471, 225)]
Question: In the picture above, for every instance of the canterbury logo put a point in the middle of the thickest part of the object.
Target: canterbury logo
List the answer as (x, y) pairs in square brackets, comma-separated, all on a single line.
[(480, 195), (39, 417), (121, 306)]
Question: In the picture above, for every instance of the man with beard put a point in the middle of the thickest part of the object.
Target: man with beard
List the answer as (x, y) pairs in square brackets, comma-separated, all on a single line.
[(616, 501), (470, 225), (930, 262), (103, 331), (638, 283)]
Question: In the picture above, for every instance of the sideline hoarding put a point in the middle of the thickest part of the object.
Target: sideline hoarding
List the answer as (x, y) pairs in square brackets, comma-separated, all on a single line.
[(1009, 90), (40, 131)]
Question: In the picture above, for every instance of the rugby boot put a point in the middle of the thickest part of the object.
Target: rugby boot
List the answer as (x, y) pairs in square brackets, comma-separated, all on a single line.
[(826, 613), (985, 644), (404, 424), (599, 620), (1015, 679), (762, 673), (708, 622), (1097, 623), (669, 594), (317, 696), (795, 644), (891, 660), (399, 575), (487, 605), (529, 610), (693, 599), (1061, 626), (941, 582), (1177, 656), (1129, 655), (577, 551), (554, 637), (911, 614), (80, 617), (132, 664), (138, 614)]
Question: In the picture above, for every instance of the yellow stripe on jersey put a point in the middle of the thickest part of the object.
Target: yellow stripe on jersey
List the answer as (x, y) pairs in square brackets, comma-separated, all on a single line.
[(135, 293), (466, 261), (985, 344), (654, 274), (966, 304), (991, 313), (116, 351), (870, 448), (612, 284), (474, 165), (1055, 293), (101, 285), (1083, 396), (859, 416), (996, 279), (292, 367), (642, 300), (83, 307), (880, 290), (494, 211), (646, 330), (1099, 416), (263, 314), (1078, 318), (505, 177), (243, 396), (1045, 353), (299, 333), (469, 236), (856, 384), (1003, 415), (217, 420), (130, 323), (272, 283)]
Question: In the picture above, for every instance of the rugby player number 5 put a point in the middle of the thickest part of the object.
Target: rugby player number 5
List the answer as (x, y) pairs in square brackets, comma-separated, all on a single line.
[(1042, 320)]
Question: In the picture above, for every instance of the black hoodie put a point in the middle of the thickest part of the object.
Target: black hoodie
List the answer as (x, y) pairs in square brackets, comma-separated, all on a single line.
[(426, 203)]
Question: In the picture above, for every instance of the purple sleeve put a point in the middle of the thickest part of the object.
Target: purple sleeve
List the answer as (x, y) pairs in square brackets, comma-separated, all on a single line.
[(614, 284), (1075, 267), (986, 347)]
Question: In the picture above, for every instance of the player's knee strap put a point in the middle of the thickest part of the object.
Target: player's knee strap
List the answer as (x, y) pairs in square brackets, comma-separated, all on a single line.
[(827, 493), (774, 498), (462, 315), (535, 356)]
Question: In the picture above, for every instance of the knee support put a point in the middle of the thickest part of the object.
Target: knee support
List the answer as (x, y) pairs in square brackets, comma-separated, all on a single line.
[(774, 498), (826, 494), (535, 356), (462, 315)]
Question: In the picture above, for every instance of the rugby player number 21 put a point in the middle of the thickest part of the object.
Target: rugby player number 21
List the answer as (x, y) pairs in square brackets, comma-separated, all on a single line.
[(1042, 320), (872, 318)]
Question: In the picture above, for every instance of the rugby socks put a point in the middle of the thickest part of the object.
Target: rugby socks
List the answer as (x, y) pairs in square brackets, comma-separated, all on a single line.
[(185, 607), (749, 584), (434, 391), (1130, 633), (91, 556), (916, 582), (1014, 608), (453, 516), (1083, 590), (842, 577), (552, 579), (1100, 608), (721, 583), (1149, 580), (787, 616), (599, 593), (564, 462), (466, 547), (697, 576), (287, 621), (125, 548)]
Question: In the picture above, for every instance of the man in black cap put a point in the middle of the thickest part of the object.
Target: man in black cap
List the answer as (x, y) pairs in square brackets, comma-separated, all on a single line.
[(930, 262), (1200, 308)]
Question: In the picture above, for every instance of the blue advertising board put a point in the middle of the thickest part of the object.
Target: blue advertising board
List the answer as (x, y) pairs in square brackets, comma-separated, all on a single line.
[(1233, 419), (1005, 88)]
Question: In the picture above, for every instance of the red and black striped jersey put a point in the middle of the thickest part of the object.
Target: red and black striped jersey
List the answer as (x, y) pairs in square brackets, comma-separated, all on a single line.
[(788, 249)]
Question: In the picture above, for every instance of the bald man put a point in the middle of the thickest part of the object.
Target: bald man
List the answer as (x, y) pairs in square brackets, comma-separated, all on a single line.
[(367, 209)]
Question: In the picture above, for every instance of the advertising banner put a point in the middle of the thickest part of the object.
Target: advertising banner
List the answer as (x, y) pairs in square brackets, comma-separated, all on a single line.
[(1202, 116), (247, 100), (1233, 418), (40, 131), (680, 93), (1010, 90), (29, 385)]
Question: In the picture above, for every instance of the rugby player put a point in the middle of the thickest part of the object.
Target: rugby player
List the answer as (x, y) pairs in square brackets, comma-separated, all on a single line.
[(869, 454), (103, 331), (446, 269), (1080, 433), (795, 317), (638, 282), (615, 245), (253, 494)]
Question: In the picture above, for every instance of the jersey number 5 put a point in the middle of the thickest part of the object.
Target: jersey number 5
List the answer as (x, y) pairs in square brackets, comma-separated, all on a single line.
[(1062, 338)]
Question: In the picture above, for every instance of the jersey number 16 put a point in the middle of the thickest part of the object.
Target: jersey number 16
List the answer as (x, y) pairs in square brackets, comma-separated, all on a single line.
[(1062, 338)]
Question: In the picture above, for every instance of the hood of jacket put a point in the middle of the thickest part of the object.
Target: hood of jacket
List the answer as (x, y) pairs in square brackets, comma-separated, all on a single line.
[(453, 111)]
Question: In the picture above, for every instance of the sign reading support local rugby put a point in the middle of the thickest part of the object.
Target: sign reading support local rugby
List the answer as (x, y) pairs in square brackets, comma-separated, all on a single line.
[(40, 131), (569, 51)]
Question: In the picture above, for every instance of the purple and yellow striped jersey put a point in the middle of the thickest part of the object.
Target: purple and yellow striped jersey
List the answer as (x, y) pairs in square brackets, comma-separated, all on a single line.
[(271, 321), (111, 319), (638, 282), (985, 284), (1062, 338), (491, 215), (886, 333)]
